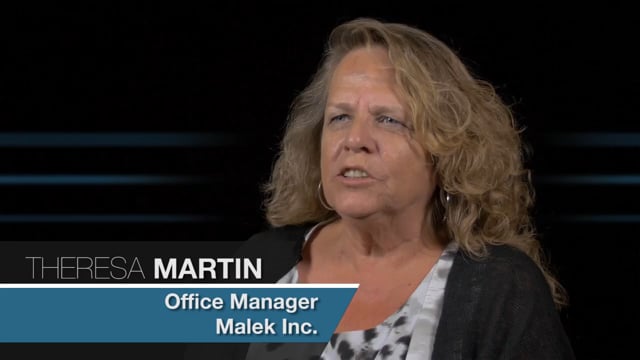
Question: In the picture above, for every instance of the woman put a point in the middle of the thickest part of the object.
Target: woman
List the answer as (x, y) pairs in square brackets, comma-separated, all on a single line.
[(401, 172)]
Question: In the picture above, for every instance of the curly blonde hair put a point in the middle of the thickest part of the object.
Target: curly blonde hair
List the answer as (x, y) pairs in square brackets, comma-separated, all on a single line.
[(458, 119)]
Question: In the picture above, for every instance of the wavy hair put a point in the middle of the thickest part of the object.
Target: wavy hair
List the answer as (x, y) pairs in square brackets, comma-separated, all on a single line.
[(458, 119)]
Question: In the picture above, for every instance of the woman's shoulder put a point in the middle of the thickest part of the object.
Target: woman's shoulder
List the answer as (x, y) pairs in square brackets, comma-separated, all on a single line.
[(283, 234), (504, 270), (278, 249), (502, 260), (504, 294)]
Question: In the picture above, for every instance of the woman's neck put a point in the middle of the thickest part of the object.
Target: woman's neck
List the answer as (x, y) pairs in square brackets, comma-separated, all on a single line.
[(390, 240)]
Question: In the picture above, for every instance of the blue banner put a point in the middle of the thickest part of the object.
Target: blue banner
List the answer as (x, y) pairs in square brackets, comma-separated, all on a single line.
[(173, 313)]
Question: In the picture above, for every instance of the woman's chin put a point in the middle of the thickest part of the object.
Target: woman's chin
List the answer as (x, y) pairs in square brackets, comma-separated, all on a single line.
[(356, 211)]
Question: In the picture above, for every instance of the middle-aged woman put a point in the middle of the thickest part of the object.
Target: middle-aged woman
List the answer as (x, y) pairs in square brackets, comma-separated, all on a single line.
[(401, 172)]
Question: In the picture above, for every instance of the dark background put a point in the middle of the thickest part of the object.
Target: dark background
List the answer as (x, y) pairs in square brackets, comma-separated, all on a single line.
[(216, 81)]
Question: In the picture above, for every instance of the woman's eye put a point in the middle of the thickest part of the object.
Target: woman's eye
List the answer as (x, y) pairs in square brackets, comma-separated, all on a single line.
[(389, 120), (338, 118)]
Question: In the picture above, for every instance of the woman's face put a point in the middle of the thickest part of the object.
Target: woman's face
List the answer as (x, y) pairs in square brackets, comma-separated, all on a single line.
[(370, 162)]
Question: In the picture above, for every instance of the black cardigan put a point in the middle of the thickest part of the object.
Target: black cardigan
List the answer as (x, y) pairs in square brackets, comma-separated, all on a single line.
[(499, 307)]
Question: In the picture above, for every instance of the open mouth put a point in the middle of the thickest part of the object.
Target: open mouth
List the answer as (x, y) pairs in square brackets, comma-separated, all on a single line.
[(355, 174)]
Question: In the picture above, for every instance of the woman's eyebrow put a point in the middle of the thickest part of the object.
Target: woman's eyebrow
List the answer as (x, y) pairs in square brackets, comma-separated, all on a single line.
[(374, 109), (382, 109), (340, 106)]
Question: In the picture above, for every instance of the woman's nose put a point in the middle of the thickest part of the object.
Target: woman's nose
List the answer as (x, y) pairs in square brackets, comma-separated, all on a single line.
[(359, 136)]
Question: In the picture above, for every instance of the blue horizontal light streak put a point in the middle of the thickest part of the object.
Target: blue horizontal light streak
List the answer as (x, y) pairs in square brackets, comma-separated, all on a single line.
[(626, 179), (106, 218), (594, 139), (600, 218), (74, 179), (119, 139)]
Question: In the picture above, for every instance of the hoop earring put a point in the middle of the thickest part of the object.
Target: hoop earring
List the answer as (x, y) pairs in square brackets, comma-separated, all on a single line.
[(445, 204), (322, 199), (433, 160)]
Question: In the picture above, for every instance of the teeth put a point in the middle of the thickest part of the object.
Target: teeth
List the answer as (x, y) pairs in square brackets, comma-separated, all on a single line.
[(355, 173)]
